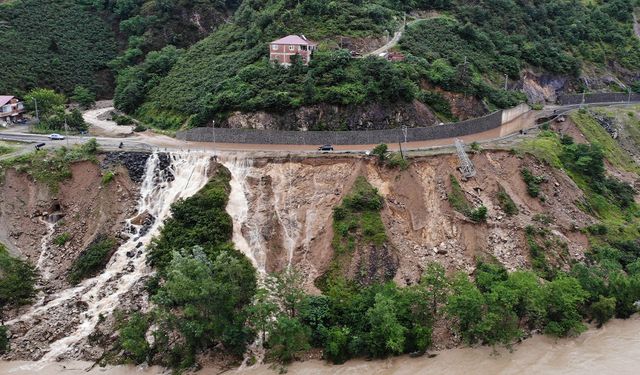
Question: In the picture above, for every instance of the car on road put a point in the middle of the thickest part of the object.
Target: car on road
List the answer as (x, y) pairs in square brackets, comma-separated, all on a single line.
[(325, 148), (56, 137)]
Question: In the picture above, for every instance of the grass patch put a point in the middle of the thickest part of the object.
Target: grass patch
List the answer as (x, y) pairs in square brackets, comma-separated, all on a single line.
[(92, 260), (62, 239), (545, 147), (51, 167), (506, 203), (595, 133)]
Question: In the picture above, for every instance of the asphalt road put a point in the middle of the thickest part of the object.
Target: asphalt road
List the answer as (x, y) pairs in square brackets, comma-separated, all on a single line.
[(148, 140)]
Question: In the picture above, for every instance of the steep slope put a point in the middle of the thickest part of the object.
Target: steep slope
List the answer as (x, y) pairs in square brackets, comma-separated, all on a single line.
[(56, 44), (468, 49)]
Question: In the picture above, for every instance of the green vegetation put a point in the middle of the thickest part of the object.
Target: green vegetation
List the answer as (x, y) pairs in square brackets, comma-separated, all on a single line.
[(83, 96), (357, 226), (17, 284), (62, 239), (92, 260), (595, 133), (392, 160), (203, 288), (4, 339), (55, 44), (6, 148), (533, 182), (51, 167), (52, 113), (107, 177), (460, 203), (506, 203), (200, 220)]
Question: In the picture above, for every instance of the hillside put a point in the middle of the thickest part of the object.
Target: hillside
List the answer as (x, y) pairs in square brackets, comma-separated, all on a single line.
[(56, 44), (357, 256), (229, 71)]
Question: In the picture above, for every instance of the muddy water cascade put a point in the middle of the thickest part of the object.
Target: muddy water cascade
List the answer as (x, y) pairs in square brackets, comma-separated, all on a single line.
[(168, 177)]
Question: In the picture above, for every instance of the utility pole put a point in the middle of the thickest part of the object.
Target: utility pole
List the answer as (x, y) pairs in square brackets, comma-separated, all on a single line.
[(66, 130), (213, 132), (506, 81), (404, 132), (37, 115)]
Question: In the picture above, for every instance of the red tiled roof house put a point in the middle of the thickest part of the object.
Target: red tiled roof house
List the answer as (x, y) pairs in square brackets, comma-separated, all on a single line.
[(11, 109), (283, 49)]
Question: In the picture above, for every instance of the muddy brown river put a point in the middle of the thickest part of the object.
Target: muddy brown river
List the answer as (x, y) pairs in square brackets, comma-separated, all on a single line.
[(613, 349)]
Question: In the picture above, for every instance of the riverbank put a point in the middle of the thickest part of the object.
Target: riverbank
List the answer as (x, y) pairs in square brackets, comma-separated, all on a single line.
[(613, 349)]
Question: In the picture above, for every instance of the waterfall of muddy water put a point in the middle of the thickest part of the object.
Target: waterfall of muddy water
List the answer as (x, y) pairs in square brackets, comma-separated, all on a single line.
[(42, 265), (163, 184), (246, 234)]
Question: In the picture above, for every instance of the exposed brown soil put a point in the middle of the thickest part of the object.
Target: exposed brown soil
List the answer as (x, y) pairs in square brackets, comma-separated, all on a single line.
[(83, 208), (291, 201)]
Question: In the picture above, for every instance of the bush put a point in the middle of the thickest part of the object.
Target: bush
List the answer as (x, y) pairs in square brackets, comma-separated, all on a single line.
[(4, 340), (381, 151), (107, 177), (533, 182), (506, 203), (479, 214), (83, 96), (92, 260), (62, 239), (132, 338)]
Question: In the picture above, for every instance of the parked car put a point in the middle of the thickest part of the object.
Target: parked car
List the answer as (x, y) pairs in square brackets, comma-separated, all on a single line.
[(561, 119), (56, 137), (40, 145), (325, 148), (22, 121)]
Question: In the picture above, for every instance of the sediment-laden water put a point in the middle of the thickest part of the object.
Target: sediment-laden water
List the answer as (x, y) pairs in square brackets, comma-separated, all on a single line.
[(613, 349)]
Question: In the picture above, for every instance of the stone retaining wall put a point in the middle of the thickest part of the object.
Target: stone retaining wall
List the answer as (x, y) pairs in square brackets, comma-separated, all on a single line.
[(620, 97), (252, 136)]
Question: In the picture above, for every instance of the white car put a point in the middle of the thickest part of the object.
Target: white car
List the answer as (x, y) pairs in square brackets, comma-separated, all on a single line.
[(56, 137)]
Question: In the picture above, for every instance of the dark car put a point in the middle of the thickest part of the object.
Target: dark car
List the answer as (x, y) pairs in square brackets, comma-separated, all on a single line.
[(325, 148), (21, 121)]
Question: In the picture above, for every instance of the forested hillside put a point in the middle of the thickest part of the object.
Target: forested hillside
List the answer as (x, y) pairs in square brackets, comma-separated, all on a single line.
[(56, 44), (229, 70), (176, 63)]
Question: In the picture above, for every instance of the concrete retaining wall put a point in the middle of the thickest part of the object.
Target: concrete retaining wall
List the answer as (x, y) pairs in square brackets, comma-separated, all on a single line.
[(251, 136), (511, 114), (598, 98)]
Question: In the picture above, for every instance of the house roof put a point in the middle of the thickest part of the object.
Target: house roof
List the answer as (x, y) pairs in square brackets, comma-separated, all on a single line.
[(296, 40), (4, 99)]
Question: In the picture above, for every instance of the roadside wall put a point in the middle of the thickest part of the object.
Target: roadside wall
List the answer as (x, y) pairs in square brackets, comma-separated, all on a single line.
[(252, 136), (575, 99), (511, 114)]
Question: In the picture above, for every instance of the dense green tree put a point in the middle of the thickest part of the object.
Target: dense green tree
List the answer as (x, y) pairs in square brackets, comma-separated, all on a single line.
[(387, 335), (603, 310), (85, 97), (563, 299), (17, 282), (132, 338), (288, 338)]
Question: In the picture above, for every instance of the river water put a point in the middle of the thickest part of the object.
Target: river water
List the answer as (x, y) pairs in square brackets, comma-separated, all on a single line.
[(613, 349)]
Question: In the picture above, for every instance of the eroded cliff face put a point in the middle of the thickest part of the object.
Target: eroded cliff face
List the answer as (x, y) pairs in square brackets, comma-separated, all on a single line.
[(290, 207), (84, 207)]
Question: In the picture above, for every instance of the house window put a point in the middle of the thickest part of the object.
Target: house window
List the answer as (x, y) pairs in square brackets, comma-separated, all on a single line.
[(303, 48), (291, 48), (274, 47)]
